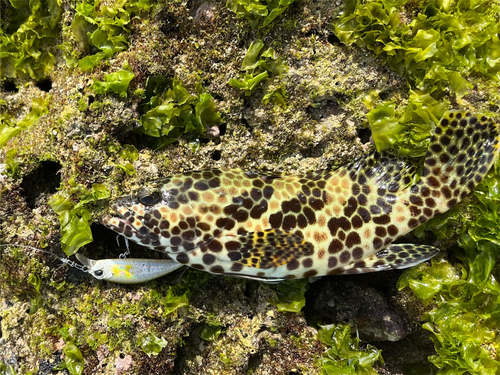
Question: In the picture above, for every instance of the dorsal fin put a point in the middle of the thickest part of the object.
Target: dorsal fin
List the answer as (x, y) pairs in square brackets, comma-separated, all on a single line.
[(387, 172)]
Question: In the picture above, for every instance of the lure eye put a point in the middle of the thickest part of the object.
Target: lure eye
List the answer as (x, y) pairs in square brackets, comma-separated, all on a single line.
[(98, 273), (150, 199)]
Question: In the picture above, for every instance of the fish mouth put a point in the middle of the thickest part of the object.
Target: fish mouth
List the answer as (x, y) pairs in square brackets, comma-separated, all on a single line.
[(122, 220)]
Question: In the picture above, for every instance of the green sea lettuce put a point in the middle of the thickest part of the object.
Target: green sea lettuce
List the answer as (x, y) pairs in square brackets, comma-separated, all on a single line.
[(291, 295), (444, 45), (8, 127), (73, 359), (256, 66), (276, 97), (11, 166), (101, 30), (409, 129), (344, 355), (260, 13), (23, 49), (177, 297), (116, 82), (210, 333), (170, 111), (6, 369), (465, 299), (74, 218), (446, 48), (129, 154), (465, 296), (151, 344), (36, 297)]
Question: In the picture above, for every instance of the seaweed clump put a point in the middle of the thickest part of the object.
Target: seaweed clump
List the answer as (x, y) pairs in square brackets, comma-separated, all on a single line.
[(406, 129), (260, 13), (445, 43), (116, 82), (9, 128), (257, 64), (344, 355), (101, 31), (31, 25), (465, 295), (74, 217), (170, 111)]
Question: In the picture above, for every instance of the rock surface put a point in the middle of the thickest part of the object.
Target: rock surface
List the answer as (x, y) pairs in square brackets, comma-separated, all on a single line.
[(205, 324)]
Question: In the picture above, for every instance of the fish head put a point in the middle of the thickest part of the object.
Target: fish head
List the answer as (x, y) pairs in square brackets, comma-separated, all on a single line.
[(159, 216)]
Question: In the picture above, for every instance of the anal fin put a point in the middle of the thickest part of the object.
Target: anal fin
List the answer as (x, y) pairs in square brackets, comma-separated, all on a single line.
[(395, 256)]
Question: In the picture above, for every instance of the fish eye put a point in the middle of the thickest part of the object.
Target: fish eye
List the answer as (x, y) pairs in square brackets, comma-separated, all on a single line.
[(149, 199)]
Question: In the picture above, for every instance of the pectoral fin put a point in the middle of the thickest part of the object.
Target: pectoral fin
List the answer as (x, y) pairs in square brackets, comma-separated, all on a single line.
[(269, 248)]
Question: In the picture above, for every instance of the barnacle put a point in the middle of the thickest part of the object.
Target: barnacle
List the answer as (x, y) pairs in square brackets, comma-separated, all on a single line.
[(205, 15)]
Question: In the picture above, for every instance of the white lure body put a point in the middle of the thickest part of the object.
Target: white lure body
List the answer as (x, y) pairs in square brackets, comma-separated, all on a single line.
[(128, 270)]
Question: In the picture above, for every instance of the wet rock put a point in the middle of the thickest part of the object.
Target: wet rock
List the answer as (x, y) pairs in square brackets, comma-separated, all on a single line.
[(342, 300), (409, 355), (205, 15)]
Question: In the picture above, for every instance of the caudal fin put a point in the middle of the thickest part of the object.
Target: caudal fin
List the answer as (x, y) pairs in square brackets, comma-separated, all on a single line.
[(461, 152)]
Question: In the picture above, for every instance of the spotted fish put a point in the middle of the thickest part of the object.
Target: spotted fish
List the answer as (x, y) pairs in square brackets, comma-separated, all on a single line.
[(269, 227)]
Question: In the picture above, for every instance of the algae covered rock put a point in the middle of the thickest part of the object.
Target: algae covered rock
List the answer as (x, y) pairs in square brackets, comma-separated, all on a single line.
[(99, 97)]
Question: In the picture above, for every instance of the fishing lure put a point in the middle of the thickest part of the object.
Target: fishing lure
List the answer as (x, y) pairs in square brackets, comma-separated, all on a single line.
[(128, 270), (120, 271), (270, 227)]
